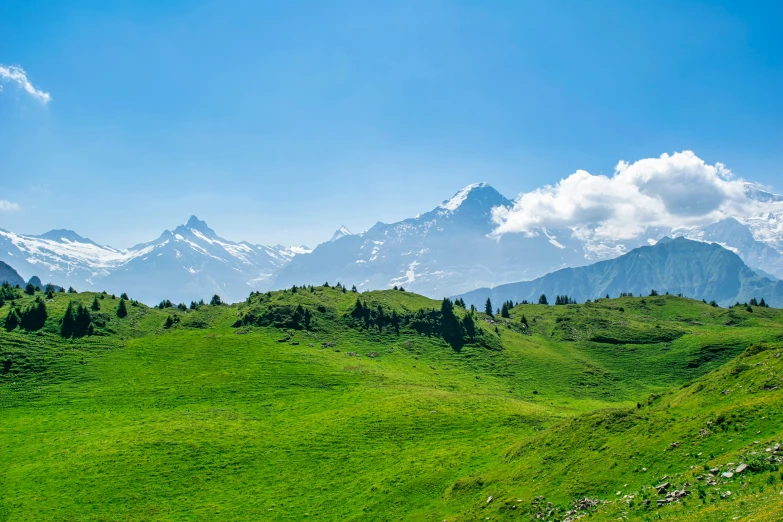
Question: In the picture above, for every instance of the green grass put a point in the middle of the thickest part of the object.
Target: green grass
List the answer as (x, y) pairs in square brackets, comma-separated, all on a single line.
[(206, 420)]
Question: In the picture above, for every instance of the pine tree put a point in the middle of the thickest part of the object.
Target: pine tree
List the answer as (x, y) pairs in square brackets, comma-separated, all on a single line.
[(504, 311), (72, 290), (451, 329), (82, 322), (542, 300), (12, 320), (488, 307), (122, 310), (29, 289), (68, 321), (169, 322), (124, 296), (215, 300), (524, 321), (34, 317), (763, 304), (95, 306)]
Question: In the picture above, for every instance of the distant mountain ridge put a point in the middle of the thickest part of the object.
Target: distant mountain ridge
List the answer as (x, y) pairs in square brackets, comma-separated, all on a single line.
[(695, 269), (190, 263), (9, 275), (446, 251)]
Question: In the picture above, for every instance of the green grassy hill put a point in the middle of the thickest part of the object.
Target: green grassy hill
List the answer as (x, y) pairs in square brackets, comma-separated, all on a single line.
[(296, 405)]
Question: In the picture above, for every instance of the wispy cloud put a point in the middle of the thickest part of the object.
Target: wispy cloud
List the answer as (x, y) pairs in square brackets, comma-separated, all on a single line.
[(7, 206), (15, 74)]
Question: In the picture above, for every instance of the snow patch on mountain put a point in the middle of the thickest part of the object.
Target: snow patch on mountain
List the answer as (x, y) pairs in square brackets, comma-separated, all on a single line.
[(456, 201)]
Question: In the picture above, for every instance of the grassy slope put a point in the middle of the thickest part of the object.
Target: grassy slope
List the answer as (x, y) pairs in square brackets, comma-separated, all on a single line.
[(209, 421)]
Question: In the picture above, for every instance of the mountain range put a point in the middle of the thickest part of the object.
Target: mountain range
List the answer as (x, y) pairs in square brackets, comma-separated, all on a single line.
[(188, 263), (678, 266), (448, 250)]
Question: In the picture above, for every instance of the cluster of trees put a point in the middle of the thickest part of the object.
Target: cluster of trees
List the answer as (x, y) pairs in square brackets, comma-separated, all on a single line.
[(181, 307), (443, 323), (375, 317), (506, 308), (749, 305), (564, 300), (8, 293), (76, 322), (31, 318)]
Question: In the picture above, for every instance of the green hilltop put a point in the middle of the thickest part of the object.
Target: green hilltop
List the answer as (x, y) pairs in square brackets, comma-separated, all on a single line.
[(328, 404)]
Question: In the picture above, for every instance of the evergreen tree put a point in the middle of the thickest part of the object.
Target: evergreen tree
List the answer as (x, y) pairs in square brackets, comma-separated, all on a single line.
[(451, 329), (542, 300), (95, 306), (469, 326), (653, 293), (524, 321), (29, 289), (34, 317), (122, 310), (504, 311), (68, 321), (763, 304), (124, 296), (169, 322), (71, 290), (215, 300), (488, 307), (753, 302), (12, 320), (82, 324), (353, 289)]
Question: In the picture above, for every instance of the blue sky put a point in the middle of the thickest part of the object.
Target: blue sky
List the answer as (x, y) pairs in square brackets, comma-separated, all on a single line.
[(278, 122)]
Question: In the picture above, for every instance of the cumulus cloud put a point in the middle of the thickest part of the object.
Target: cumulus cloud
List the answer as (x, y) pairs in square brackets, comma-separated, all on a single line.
[(15, 74), (7, 206), (678, 190)]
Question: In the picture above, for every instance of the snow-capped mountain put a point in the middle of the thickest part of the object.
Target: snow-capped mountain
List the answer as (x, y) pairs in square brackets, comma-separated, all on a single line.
[(449, 250), (190, 262), (441, 252)]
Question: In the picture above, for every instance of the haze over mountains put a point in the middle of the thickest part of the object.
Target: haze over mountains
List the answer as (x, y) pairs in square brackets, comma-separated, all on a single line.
[(449, 250)]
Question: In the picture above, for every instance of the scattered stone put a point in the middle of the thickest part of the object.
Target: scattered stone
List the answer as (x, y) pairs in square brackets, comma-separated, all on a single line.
[(661, 489), (741, 468), (489, 499), (675, 444), (372, 355), (725, 495), (714, 471), (704, 432), (727, 474)]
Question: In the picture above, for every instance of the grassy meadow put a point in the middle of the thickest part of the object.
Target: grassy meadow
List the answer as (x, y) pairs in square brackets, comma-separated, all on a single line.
[(229, 413)]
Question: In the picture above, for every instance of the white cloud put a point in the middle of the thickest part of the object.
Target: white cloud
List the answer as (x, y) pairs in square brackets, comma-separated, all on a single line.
[(7, 206), (16, 74), (678, 190)]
